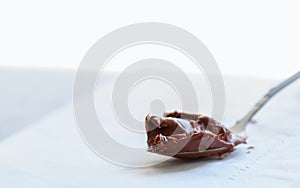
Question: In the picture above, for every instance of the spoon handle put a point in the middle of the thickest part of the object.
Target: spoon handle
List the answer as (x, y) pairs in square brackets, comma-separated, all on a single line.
[(239, 127)]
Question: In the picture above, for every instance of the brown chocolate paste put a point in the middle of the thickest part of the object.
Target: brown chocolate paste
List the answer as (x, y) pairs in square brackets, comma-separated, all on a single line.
[(177, 132)]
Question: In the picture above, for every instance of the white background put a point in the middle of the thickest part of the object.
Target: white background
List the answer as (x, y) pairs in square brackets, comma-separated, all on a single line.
[(256, 38)]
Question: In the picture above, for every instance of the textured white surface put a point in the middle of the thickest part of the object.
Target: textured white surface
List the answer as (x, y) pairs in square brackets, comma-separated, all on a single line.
[(51, 153)]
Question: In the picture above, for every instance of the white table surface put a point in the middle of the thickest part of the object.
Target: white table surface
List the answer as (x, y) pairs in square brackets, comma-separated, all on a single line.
[(28, 94), (51, 152)]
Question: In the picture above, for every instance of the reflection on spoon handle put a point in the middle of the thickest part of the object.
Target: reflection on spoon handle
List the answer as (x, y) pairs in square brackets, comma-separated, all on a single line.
[(239, 127)]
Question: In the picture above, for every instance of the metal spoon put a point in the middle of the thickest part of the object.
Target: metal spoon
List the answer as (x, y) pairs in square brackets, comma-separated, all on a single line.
[(240, 126)]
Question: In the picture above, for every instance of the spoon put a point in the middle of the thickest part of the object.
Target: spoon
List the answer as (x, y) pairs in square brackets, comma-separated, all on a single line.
[(240, 126)]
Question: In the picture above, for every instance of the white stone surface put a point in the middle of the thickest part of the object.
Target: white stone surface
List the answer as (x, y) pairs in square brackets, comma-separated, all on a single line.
[(51, 152)]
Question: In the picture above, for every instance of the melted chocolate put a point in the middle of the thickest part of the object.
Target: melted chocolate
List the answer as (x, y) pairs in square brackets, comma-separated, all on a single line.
[(176, 133)]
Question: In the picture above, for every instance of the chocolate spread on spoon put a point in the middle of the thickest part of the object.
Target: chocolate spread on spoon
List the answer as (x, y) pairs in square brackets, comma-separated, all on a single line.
[(176, 133)]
